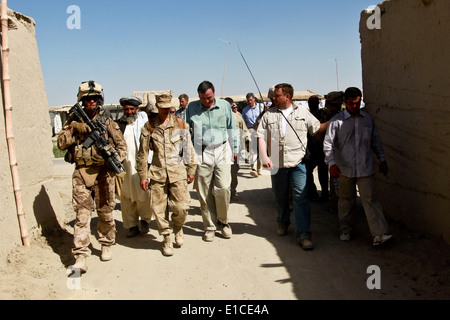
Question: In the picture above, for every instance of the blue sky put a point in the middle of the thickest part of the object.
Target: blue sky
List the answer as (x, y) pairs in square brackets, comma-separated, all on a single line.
[(142, 45)]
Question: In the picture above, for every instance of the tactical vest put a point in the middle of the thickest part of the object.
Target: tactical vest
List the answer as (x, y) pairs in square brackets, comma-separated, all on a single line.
[(76, 153)]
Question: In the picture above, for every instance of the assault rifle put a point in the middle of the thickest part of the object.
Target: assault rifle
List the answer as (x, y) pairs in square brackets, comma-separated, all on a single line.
[(97, 138)]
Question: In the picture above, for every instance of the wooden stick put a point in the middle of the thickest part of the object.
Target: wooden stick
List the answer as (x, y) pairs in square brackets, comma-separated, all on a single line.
[(9, 127)]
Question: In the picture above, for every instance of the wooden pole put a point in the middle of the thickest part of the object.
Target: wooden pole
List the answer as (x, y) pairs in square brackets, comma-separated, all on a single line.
[(8, 125)]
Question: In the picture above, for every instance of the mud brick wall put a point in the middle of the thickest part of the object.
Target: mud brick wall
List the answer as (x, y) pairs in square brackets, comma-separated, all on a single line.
[(406, 84), (32, 135)]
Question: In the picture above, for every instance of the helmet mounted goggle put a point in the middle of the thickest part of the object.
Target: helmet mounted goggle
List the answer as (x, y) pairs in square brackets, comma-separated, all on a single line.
[(91, 90)]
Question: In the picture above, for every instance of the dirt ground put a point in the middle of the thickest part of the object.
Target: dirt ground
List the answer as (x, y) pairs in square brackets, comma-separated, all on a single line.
[(255, 264)]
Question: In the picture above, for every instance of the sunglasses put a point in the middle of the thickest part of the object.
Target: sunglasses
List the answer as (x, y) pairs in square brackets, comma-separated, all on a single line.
[(91, 98)]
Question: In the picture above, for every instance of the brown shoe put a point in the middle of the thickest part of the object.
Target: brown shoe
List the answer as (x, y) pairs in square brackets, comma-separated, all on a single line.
[(282, 231), (306, 244), (254, 174), (225, 229)]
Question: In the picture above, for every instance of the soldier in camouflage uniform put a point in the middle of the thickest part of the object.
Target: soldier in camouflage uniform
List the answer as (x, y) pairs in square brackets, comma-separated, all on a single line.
[(168, 136), (92, 174)]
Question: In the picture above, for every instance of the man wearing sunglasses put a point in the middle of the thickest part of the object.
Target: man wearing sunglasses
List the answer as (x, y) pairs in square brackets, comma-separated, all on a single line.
[(92, 175)]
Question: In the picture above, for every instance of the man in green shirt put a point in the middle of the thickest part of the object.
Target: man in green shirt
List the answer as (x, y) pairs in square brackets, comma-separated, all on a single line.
[(216, 142)]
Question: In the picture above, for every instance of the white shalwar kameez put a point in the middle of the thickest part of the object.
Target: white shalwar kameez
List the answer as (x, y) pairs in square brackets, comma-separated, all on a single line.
[(135, 202)]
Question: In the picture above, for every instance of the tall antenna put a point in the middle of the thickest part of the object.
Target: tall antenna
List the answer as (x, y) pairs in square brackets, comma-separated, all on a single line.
[(337, 74), (226, 62), (254, 80)]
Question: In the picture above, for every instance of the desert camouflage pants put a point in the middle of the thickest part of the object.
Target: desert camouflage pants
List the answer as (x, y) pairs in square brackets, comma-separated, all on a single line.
[(83, 204), (178, 196)]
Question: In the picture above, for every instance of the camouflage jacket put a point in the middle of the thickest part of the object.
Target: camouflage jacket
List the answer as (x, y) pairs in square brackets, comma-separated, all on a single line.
[(173, 152), (244, 134)]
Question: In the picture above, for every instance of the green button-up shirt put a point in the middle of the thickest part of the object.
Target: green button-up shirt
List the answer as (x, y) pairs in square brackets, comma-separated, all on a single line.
[(212, 127)]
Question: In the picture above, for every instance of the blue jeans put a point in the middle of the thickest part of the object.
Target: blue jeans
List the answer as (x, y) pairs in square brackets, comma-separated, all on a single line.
[(294, 178)]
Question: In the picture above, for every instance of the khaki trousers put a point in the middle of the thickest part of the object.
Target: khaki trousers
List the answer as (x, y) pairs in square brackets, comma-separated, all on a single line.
[(254, 160), (178, 195), (347, 196), (213, 185)]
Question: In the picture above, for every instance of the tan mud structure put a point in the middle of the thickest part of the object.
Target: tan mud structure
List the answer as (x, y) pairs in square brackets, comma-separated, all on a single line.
[(32, 134)]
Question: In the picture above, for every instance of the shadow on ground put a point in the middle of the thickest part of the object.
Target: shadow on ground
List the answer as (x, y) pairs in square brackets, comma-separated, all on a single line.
[(58, 238), (413, 266)]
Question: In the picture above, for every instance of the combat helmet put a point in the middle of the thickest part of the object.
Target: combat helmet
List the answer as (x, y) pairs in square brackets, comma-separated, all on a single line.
[(91, 88)]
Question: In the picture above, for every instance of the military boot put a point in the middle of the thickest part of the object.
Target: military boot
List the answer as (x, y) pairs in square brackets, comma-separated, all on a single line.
[(106, 253), (179, 236), (168, 246), (80, 264)]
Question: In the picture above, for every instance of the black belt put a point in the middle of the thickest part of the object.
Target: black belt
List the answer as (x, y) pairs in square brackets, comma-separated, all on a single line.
[(213, 146)]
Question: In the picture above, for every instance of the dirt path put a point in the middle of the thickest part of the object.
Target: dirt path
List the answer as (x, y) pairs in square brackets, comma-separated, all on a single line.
[(255, 264)]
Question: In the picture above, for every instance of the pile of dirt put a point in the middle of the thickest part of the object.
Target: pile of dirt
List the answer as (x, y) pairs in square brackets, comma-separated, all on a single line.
[(29, 272)]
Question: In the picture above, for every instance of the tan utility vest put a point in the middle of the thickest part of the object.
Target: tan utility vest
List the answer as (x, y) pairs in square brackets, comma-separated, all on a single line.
[(83, 156)]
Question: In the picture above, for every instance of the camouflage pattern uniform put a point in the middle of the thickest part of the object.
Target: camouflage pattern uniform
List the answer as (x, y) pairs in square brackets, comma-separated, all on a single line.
[(88, 178), (244, 136), (173, 155)]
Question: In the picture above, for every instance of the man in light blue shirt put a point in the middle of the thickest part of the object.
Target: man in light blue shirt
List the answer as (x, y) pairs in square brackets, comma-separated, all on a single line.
[(252, 111), (184, 101), (250, 114), (351, 138), (216, 141)]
